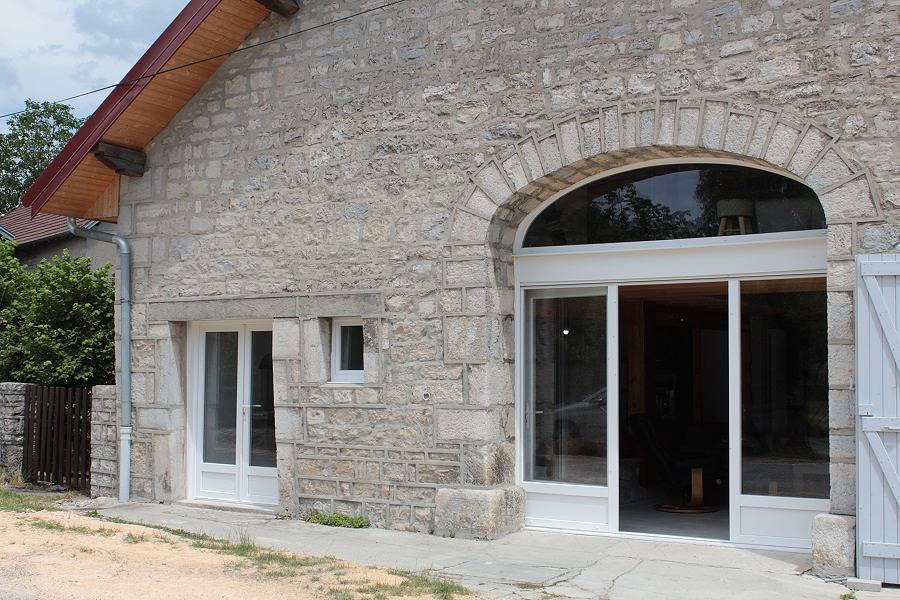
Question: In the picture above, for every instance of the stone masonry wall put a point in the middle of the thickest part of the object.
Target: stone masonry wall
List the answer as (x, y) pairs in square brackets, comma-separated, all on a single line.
[(12, 427), (324, 175), (104, 442)]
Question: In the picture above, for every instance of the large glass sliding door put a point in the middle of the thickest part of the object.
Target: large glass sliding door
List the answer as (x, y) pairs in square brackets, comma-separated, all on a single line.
[(753, 353), (568, 369)]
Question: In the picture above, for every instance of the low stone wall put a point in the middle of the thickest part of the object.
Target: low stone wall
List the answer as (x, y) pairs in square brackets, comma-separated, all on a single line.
[(12, 426), (104, 442)]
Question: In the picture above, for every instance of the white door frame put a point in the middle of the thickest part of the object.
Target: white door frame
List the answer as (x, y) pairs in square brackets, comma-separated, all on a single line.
[(754, 520), (593, 498), (242, 471)]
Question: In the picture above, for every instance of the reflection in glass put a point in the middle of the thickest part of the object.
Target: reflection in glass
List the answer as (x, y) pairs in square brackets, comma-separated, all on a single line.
[(567, 414), (674, 202), (784, 388), (262, 401), (351, 348), (220, 397)]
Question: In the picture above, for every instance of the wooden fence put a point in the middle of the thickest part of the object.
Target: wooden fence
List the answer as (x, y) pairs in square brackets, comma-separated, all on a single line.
[(58, 436)]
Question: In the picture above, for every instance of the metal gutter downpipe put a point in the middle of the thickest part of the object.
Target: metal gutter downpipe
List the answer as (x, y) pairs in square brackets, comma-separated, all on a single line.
[(124, 347)]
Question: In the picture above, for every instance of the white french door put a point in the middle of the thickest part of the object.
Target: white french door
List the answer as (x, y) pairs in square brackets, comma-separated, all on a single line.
[(567, 312), (232, 414)]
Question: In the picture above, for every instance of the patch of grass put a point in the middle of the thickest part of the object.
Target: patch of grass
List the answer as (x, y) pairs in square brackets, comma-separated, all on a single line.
[(11, 501), (339, 594), (415, 584), (271, 563), (79, 529), (48, 525), (161, 538), (848, 596), (12, 478), (182, 533), (337, 520), (131, 538), (279, 573), (527, 585)]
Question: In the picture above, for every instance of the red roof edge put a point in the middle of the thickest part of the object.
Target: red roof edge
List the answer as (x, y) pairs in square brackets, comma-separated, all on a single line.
[(116, 103)]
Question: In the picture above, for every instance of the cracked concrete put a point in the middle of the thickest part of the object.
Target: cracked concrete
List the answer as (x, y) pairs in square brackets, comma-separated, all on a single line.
[(528, 564)]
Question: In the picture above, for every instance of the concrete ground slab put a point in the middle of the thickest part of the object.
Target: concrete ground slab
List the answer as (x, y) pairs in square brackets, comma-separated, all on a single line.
[(527, 564)]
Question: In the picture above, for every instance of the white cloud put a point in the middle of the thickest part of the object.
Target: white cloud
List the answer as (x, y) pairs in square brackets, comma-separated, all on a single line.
[(58, 48)]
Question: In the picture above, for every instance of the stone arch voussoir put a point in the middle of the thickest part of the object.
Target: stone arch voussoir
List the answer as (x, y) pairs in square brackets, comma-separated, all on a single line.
[(538, 166)]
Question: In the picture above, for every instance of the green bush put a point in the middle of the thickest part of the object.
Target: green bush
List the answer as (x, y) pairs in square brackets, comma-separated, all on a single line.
[(56, 321), (337, 520)]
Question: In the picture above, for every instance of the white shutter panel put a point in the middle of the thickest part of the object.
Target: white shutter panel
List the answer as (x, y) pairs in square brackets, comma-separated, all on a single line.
[(878, 422)]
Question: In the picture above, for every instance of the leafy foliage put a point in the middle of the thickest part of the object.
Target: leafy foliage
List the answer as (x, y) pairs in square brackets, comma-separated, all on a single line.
[(56, 321), (11, 273), (35, 137)]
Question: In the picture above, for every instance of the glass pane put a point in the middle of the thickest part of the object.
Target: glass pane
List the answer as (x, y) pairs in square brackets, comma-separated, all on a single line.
[(784, 388), (566, 417), (351, 348), (220, 397), (262, 401), (674, 202)]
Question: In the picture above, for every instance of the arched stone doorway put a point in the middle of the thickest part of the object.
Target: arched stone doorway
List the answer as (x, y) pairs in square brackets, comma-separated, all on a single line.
[(511, 186)]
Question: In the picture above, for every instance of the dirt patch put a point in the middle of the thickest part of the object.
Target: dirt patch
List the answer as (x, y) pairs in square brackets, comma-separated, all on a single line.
[(68, 556)]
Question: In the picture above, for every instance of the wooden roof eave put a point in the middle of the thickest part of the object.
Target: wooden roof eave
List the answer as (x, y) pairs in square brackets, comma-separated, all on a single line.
[(72, 185)]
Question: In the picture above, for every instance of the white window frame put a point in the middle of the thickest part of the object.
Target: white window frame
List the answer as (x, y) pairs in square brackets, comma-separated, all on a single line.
[(754, 521), (339, 375)]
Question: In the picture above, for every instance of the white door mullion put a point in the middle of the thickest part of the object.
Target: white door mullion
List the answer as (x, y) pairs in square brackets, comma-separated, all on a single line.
[(612, 403), (242, 450), (734, 408)]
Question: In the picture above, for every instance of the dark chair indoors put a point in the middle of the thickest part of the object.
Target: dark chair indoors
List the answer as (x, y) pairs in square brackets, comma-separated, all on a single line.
[(681, 472)]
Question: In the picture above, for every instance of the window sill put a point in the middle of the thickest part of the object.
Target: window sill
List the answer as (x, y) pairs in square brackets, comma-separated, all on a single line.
[(345, 384)]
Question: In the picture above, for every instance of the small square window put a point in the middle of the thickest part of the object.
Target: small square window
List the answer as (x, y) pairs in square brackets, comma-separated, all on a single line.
[(347, 351)]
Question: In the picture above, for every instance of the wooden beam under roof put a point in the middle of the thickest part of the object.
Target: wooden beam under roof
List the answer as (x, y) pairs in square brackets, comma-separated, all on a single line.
[(123, 161), (285, 8)]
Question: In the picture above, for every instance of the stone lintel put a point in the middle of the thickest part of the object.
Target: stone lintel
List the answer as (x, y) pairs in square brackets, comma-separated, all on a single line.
[(217, 309)]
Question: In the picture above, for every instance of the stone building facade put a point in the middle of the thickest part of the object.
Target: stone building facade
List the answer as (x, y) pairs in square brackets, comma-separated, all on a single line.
[(379, 167)]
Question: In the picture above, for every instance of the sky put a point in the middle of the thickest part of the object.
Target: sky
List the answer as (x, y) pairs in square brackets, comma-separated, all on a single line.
[(52, 49)]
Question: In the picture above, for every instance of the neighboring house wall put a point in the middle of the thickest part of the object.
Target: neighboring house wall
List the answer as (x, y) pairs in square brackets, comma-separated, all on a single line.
[(329, 175), (99, 252)]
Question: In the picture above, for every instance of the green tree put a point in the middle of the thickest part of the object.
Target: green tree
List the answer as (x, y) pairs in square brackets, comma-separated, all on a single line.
[(58, 327), (35, 137), (12, 274)]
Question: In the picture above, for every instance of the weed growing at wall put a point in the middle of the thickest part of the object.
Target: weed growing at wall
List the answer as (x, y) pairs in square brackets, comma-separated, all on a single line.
[(337, 520)]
